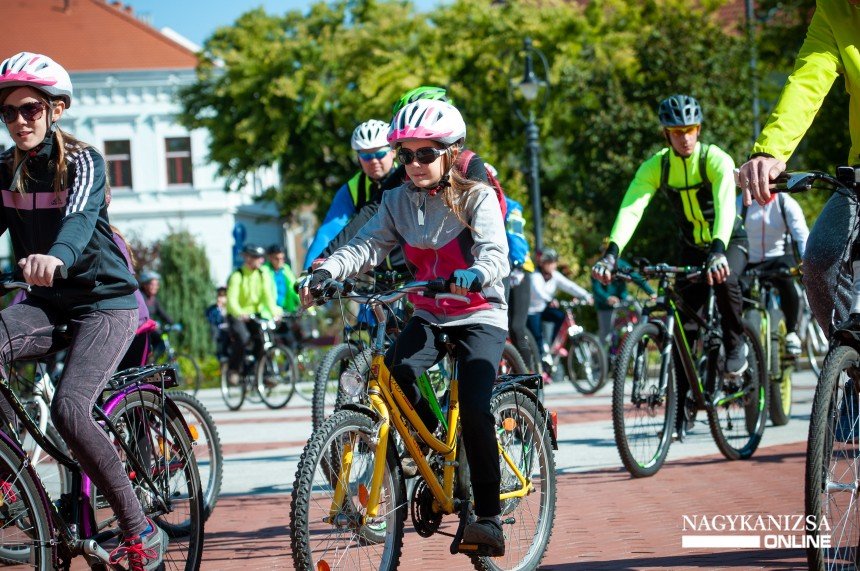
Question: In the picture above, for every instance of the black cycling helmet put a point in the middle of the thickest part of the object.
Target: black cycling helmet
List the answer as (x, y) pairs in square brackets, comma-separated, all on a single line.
[(680, 111), (275, 249), (549, 255), (254, 250), (423, 92)]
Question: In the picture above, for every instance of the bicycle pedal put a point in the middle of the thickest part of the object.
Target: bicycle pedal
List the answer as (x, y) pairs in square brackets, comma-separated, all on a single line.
[(480, 550)]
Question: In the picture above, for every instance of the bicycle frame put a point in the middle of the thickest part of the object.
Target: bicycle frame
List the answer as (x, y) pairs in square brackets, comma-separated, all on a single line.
[(389, 404)]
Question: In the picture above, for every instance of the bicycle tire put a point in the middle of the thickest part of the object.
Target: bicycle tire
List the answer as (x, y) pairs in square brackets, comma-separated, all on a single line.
[(655, 425), (582, 376), (741, 443), (813, 336), (535, 365), (276, 376), (189, 376), (211, 464), (233, 395), (327, 381), (512, 362), (831, 447), (24, 523), (524, 439), (312, 539), (138, 419), (779, 402)]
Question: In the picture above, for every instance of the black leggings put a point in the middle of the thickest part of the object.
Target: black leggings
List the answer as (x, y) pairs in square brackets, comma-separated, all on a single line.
[(478, 351), (518, 313), (100, 339), (788, 297)]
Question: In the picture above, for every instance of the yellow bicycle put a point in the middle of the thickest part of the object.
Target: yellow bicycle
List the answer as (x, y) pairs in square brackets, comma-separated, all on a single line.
[(349, 501)]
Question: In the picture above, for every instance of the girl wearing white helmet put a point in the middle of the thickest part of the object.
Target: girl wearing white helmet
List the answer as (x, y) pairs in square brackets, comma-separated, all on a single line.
[(54, 207), (449, 227)]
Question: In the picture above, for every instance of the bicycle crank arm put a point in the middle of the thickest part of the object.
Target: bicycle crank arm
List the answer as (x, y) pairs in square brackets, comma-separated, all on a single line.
[(94, 550)]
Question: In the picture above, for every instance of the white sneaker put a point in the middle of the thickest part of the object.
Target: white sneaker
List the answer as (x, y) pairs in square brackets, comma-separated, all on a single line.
[(792, 344)]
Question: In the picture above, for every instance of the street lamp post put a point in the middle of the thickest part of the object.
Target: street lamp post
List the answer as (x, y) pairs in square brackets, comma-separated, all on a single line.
[(535, 91)]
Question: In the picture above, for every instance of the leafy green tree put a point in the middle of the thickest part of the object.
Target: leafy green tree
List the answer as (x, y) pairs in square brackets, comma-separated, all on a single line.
[(186, 289)]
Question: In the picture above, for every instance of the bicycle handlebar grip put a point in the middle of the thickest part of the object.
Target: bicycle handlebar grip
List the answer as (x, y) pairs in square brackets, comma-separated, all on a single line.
[(438, 285), (61, 272)]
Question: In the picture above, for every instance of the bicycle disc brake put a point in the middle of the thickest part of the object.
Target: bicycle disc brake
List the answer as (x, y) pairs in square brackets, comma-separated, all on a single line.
[(425, 519)]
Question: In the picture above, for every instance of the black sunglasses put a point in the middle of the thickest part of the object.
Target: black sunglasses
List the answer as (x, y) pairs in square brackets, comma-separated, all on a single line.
[(29, 111), (425, 155)]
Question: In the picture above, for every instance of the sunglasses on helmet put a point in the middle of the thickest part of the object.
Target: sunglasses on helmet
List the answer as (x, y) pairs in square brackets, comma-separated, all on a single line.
[(29, 111), (378, 155), (425, 155)]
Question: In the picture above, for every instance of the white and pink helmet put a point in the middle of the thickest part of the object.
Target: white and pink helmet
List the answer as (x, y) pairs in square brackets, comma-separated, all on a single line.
[(39, 72), (430, 120)]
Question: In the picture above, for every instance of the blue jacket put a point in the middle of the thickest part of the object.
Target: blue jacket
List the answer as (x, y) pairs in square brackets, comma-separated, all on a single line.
[(518, 246), (339, 214)]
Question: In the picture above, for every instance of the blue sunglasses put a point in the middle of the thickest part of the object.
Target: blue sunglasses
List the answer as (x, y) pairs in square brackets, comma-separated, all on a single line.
[(378, 155)]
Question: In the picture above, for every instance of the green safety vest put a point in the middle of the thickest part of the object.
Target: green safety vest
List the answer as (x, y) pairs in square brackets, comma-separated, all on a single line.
[(360, 189)]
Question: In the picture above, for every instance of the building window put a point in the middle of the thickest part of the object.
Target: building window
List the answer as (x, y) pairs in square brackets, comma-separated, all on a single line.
[(179, 160), (118, 157)]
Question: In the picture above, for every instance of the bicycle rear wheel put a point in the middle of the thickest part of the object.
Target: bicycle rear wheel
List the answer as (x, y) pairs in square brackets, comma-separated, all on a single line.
[(326, 536), (738, 411), (276, 377), (156, 436), (644, 400), (25, 533), (233, 394), (833, 463), (779, 400), (206, 445), (512, 362), (523, 433), (586, 363)]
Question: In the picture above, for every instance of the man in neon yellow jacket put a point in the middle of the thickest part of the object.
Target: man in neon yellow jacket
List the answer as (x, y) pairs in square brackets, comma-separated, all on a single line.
[(831, 48), (699, 182), (249, 293)]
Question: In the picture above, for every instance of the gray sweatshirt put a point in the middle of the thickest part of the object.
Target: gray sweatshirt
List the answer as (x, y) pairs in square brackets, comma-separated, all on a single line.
[(435, 243)]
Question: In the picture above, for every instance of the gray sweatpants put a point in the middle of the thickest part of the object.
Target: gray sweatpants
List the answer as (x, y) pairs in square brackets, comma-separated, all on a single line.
[(827, 263), (99, 340)]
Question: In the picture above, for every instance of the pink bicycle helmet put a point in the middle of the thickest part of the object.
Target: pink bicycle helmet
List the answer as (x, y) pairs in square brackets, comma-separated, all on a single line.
[(27, 69), (430, 120)]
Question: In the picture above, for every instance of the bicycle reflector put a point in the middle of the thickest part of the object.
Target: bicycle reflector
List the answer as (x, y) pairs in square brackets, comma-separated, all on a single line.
[(351, 382)]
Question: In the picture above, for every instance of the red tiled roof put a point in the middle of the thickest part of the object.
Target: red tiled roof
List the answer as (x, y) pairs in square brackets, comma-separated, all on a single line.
[(88, 35)]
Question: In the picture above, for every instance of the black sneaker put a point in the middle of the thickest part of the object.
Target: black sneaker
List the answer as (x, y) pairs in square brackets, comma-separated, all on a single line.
[(736, 361), (485, 537)]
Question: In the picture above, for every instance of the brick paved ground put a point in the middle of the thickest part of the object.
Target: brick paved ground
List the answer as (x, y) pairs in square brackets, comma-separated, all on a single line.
[(605, 520)]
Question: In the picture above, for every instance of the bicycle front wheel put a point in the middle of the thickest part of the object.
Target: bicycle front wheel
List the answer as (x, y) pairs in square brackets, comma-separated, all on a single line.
[(276, 377), (527, 521), (188, 373), (206, 445), (644, 400), (325, 535), (833, 464), (738, 411), (25, 534), (233, 393), (156, 436), (816, 345), (586, 363)]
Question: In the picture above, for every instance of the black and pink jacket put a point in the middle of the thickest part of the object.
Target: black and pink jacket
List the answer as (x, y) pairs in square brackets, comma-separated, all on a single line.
[(436, 243), (73, 226)]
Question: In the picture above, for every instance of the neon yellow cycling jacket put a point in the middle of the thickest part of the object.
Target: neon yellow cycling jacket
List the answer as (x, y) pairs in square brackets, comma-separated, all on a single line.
[(831, 47), (250, 292), (701, 217)]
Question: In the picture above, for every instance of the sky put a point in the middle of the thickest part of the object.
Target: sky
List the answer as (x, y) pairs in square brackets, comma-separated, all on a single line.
[(197, 19)]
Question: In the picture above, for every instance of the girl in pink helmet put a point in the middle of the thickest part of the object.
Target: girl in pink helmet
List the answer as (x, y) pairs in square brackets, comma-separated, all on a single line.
[(54, 208), (449, 227)]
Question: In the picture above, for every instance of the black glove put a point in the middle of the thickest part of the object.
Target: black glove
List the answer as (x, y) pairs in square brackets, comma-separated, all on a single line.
[(317, 283), (602, 270)]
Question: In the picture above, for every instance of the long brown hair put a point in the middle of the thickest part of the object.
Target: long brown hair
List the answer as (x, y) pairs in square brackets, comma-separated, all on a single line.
[(64, 142), (456, 193)]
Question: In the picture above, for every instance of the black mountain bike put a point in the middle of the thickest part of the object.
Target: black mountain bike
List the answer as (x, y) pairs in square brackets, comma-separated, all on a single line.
[(645, 395)]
